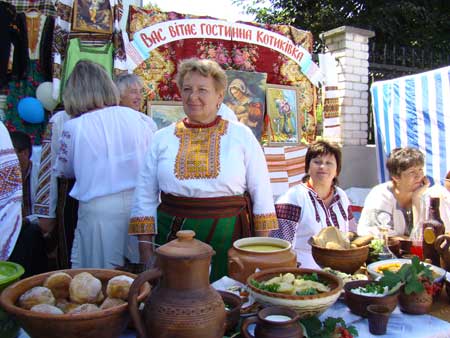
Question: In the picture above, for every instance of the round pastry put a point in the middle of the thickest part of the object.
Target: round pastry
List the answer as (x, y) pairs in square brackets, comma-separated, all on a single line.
[(111, 302), (65, 306), (84, 308), (35, 296), (85, 288), (119, 286), (59, 283), (47, 308)]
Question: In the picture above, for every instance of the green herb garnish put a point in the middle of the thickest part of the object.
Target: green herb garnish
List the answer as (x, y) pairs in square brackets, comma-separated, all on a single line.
[(313, 276), (411, 276), (307, 292), (266, 287)]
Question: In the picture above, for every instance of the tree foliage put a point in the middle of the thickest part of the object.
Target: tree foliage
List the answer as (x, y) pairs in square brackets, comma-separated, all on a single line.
[(411, 23)]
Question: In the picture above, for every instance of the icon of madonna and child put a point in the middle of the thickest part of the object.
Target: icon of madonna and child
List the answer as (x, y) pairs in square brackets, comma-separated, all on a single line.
[(245, 95)]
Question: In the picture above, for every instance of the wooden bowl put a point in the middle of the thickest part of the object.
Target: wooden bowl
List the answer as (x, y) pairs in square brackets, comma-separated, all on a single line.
[(234, 303), (358, 303), (107, 323), (305, 306), (345, 260)]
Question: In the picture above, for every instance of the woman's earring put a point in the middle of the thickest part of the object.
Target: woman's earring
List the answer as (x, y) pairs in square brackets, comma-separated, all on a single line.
[(218, 105)]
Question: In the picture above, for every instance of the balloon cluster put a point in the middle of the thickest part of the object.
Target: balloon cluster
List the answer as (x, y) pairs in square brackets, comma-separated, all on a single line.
[(31, 109)]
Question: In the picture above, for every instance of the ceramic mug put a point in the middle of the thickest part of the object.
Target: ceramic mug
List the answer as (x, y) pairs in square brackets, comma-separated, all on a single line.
[(274, 321)]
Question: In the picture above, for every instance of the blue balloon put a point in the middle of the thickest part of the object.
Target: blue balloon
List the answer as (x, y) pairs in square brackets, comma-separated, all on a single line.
[(31, 110)]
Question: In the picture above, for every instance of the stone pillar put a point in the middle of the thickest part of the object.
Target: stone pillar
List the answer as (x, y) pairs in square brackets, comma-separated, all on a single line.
[(350, 47)]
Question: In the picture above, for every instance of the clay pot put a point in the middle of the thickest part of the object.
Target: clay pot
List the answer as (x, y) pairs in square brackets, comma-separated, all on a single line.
[(345, 260), (358, 303), (233, 303), (275, 321), (442, 246), (243, 261), (109, 323), (378, 318), (183, 304), (415, 303)]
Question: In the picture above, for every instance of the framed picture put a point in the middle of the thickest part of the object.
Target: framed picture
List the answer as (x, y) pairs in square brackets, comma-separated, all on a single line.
[(92, 16), (164, 113), (282, 109), (246, 96)]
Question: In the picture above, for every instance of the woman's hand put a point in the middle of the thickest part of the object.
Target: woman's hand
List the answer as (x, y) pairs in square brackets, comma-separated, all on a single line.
[(417, 194), (145, 248)]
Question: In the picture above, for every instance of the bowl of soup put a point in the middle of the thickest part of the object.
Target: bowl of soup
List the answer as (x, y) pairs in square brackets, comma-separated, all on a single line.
[(259, 253)]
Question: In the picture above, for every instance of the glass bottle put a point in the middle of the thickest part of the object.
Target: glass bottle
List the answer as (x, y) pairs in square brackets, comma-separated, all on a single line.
[(432, 227)]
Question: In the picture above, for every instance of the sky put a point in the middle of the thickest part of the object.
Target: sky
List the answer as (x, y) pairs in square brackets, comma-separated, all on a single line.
[(221, 9)]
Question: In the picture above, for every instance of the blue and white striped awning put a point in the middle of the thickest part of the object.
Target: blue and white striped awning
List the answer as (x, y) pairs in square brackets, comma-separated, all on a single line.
[(414, 111)]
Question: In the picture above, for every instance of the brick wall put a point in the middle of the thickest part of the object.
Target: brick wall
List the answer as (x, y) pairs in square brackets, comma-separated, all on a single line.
[(350, 47)]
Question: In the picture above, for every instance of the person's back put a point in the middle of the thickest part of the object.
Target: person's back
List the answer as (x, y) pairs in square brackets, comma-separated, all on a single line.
[(113, 141)]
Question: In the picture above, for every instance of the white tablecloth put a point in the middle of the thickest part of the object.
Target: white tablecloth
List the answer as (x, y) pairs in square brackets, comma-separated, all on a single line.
[(400, 324)]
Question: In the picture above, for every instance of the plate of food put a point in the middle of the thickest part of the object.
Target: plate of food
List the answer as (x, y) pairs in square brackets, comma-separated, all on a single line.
[(376, 269)]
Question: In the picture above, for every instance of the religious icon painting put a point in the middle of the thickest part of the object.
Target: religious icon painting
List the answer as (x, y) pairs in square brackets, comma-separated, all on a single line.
[(282, 110), (246, 96), (164, 113), (92, 16)]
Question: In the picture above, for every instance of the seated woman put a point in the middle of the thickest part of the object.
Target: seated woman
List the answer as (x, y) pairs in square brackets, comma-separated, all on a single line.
[(396, 202), (316, 203), (203, 166)]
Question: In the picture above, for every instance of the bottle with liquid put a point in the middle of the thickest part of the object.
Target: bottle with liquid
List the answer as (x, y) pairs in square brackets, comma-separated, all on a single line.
[(432, 227)]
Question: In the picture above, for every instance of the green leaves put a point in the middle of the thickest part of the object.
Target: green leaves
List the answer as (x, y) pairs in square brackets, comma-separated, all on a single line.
[(266, 287), (330, 328), (412, 276)]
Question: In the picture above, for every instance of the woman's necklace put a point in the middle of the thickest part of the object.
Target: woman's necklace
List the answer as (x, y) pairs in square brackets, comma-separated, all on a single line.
[(310, 186)]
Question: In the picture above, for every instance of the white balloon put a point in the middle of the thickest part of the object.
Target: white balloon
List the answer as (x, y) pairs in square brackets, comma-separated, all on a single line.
[(44, 94)]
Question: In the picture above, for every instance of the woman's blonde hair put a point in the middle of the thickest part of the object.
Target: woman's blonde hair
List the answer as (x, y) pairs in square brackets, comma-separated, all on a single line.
[(89, 87), (205, 68)]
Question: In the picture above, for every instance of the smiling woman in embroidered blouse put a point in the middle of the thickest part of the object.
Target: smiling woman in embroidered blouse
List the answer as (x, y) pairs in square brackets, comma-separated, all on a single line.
[(203, 166), (315, 203)]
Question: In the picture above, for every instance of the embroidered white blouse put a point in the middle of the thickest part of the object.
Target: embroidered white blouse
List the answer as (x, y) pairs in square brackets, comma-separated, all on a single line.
[(182, 163), (302, 214), (103, 150), (10, 195)]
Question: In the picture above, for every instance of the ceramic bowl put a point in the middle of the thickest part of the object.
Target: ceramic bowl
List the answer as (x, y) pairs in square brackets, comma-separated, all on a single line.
[(9, 273), (345, 260), (107, 323), (358, 303), (305, 306), (233, 305)]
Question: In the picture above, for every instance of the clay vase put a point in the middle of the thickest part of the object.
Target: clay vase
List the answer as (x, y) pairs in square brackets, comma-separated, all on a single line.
[(442, 246), (243, 260), (415, 303), (183, 304), (274, 321)]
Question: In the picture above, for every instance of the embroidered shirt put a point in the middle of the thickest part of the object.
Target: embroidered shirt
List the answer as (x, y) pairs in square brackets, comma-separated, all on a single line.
[(10, 195), (47, 188), (302, 214), (221, 159)]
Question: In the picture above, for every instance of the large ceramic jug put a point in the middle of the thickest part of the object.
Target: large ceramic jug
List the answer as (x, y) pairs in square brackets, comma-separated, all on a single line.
[(183, 304)]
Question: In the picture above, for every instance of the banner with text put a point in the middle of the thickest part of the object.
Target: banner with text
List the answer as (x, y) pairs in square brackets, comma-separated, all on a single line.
[(151, 37)]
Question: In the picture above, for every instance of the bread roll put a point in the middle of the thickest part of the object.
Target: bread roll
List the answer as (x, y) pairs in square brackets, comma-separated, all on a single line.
[(85, 288), (84, 308), (59, 283), (65, 306), (111, 302), (119, 286), (47, 308), (35, 296), (363, 240)]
